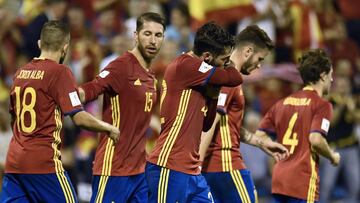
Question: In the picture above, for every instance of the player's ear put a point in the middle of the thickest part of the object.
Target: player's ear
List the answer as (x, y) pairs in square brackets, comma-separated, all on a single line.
[(39, 44), (248, 51), (207, 57), (66, 46), (136, 36)]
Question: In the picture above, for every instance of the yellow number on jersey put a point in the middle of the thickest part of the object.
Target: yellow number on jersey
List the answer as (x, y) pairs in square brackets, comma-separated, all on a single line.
[(290, 138), (20, 111), (148, 101)]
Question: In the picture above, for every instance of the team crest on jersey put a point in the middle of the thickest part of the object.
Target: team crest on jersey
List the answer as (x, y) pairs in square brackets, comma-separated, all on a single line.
[(104, 73), (325, 124), (137, 82), (204, 67)]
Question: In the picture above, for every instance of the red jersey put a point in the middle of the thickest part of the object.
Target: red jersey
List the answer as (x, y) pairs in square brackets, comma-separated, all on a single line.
[(223, 154), (182, 112), (129, 94), (292, 120), (42, 92)]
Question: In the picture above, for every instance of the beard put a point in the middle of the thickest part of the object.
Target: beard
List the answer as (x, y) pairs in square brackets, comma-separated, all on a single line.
[(147, 57), (246, 66)]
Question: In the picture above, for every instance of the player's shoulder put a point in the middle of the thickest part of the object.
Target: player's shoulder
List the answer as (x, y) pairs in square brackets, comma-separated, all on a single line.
[(120, 63)]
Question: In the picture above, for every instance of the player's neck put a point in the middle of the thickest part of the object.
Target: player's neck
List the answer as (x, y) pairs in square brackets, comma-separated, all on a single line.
[(55, 56), (145, 64), (318, 88)]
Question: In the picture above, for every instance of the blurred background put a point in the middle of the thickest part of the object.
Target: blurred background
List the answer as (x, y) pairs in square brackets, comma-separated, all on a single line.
[(101, 30)]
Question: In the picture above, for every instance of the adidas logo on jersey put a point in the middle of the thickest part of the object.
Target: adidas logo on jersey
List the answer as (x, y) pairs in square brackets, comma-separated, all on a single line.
[(137, 82)]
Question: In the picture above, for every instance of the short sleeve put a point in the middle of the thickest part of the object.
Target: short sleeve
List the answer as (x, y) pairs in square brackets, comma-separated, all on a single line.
[(65, 93), (194, 71), (111, 80), (321, 119)]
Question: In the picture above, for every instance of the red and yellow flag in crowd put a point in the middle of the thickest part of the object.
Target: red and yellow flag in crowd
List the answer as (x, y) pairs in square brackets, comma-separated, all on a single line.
[(306, 29), (222, 12)]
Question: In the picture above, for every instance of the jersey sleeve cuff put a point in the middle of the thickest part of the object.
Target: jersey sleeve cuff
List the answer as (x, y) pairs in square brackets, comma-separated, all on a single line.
[(72, 113), (319, 131), (212, 71)]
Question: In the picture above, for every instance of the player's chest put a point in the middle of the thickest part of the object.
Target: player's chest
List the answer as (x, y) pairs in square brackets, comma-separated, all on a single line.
[(140, 89)]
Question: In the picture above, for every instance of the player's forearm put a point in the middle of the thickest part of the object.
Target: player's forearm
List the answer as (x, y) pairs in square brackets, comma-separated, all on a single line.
[(229, 77), (320, 146), (89, 122), (206, 138), (256, 140)]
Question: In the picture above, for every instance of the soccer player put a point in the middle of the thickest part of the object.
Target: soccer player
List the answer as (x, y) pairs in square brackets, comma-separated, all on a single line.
[(43, 92), (128, 85), (223, 165), (173, 170), (300, 122)]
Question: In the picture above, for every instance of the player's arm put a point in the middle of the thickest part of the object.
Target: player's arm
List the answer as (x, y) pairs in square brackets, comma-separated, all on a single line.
[(206, 138), (90, 91), (108, 80), (263, 141), (210, 113), (85, 120), (228, 76), (320, 146)]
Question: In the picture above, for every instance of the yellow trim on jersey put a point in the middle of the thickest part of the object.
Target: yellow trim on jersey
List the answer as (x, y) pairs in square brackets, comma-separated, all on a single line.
[(109, 150), (226, 158), (163, 185), (163, 92), (240, 186), (59, 170), (175, 128), (308, 88), (312, 184)]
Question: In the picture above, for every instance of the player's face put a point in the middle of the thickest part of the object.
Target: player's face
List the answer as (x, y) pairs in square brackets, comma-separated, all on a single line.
[(149, 39), (220, 60), (327, 82), (253, 60)]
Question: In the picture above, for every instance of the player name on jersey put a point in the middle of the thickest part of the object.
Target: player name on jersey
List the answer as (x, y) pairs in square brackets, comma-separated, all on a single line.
[(297, 101), (31, 74)]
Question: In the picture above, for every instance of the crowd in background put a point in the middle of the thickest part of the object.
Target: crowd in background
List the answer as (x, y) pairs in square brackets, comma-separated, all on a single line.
[(101, 30)]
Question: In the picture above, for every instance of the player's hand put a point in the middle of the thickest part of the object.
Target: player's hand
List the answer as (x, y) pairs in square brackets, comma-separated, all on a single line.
[(114, 133), (335, 160), (276, 150)]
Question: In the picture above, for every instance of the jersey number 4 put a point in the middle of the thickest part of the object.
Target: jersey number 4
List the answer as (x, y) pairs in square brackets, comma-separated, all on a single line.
[(290, 137), (23, 108)]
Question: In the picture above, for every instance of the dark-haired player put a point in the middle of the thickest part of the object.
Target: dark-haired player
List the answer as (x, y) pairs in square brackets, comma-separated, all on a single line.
[(128, 85), (300, 122), (173, 171)]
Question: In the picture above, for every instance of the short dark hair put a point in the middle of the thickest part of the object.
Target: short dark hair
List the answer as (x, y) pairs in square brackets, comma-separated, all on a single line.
[(54, 35), (150, 17), (312, 64), (254, 35), (212, 38)]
